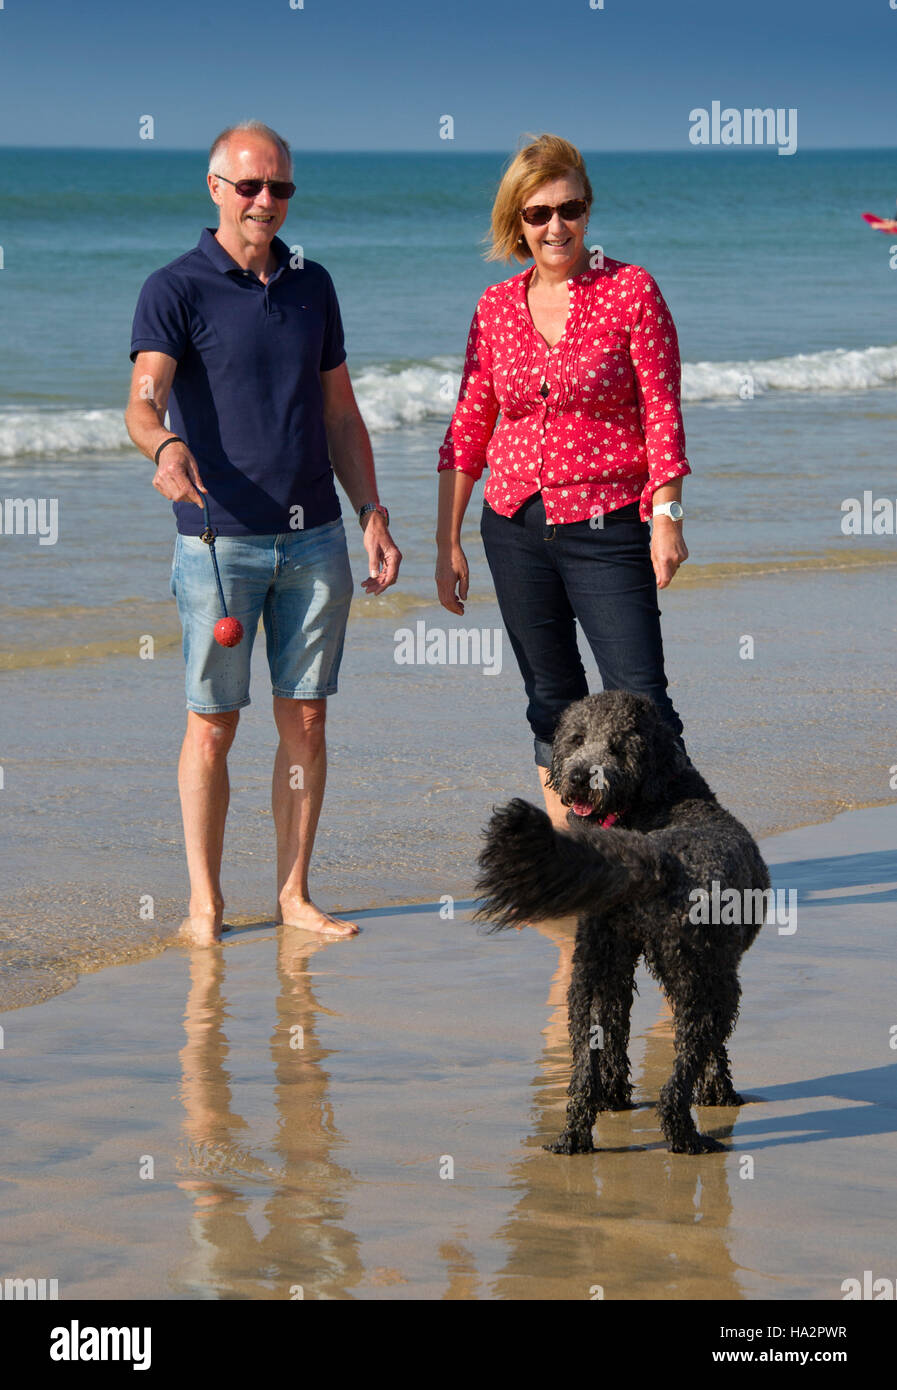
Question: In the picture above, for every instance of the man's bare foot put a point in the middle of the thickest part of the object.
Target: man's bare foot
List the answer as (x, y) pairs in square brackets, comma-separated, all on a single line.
[(203, 926), (301, 912)]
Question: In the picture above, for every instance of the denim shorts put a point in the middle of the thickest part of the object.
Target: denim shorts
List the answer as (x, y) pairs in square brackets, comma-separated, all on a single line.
[(299, 584)]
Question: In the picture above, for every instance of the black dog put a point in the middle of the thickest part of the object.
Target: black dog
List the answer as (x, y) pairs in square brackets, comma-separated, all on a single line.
[(633, 885)]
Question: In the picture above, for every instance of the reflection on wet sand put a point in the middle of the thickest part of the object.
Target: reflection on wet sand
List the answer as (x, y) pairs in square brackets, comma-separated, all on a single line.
[(632, 1220), (270, 1215), (264, 1225), (279, 1168)]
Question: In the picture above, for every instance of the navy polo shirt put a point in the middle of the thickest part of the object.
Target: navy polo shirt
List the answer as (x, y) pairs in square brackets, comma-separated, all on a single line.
[(247, 396)]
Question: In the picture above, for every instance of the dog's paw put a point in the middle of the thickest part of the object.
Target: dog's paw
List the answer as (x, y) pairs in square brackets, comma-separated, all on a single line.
[(513, 863), (698, 1144), (571, 1143)]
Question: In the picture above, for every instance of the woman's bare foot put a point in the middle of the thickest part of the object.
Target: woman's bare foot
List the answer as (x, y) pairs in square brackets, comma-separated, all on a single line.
[(294, 911), (203, 926)]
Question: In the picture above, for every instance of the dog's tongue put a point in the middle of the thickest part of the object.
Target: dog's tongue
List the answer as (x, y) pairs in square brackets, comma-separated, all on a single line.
[(581, 808)]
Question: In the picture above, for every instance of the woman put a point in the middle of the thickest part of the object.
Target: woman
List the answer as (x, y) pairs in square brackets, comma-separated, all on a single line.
[(580, 356)]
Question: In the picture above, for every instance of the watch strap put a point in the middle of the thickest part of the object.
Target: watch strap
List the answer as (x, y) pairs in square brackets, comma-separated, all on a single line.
[(368, 507)]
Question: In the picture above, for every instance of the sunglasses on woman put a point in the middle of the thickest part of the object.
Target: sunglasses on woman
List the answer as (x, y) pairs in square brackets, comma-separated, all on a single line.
[(540, 213), (251, 188)]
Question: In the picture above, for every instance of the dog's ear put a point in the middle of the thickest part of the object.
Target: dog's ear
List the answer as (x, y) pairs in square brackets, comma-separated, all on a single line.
[(561, 733), (670, 757)]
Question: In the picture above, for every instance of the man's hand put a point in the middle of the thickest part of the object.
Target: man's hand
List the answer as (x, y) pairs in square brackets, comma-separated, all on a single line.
[(177, 475), (668, 549), (451, 570), (383, 553)]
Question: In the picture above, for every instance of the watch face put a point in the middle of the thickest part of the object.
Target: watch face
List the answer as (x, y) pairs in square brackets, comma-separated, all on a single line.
[(675, 511)]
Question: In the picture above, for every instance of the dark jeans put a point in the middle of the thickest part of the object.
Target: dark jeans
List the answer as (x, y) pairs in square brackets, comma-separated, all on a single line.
[(546, 577)]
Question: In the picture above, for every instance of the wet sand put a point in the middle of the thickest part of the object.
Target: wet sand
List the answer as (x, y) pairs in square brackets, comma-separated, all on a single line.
[(303, 1105), (93, 869)]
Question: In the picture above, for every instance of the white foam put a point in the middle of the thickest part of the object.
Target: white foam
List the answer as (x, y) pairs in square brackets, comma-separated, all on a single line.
[(389, 399), (834, 370), (393, 396), (52, 433)]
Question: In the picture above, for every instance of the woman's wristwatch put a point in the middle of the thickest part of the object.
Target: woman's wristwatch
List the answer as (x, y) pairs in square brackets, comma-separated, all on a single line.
[(372, 507), (671, 509)]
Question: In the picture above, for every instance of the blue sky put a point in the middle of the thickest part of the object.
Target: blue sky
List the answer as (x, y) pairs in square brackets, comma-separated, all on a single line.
[(378, 74)]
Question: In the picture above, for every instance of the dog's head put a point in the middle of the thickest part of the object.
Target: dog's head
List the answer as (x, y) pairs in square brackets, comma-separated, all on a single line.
[(612, 753)]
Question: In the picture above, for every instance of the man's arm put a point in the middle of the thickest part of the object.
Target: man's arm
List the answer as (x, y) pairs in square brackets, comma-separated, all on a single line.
[(177, 475), (347, 436), (353, 464)]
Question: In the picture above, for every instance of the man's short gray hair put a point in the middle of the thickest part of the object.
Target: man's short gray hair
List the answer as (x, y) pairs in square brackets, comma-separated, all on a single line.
[(219, 146)]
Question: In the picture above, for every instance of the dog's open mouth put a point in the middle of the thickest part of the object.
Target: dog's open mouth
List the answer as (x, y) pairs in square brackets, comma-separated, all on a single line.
[(585, 809)]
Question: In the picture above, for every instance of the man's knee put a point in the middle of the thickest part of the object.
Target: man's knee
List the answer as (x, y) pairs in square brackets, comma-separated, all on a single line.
[(212, 734), (300, 721)]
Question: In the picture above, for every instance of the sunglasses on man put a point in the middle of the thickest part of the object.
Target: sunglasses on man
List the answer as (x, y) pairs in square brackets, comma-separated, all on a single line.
[(540, 213), (251, 188)]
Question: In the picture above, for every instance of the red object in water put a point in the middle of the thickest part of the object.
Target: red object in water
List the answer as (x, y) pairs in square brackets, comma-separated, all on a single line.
[(881, 224), (228, 632)]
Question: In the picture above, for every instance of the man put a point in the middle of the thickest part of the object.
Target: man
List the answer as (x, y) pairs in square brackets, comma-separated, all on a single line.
[(246, 340)]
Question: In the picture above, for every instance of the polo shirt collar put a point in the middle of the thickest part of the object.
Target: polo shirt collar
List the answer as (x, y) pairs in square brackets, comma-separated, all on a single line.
[(222, 260)]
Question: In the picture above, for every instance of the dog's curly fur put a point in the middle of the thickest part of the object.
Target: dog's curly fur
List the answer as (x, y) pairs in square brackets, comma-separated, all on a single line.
[(630, 885)]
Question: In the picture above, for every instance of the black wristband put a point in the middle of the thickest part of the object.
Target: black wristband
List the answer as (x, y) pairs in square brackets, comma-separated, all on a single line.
[(172, 439)]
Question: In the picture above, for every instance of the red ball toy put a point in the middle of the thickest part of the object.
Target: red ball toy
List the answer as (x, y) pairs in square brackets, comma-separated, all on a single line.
[(228, 632)]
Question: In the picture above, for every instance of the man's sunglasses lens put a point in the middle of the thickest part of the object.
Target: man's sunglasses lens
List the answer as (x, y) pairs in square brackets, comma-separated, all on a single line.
[(251, 188), (541, 213)]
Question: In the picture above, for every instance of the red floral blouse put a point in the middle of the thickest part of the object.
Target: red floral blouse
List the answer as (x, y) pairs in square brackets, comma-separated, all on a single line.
[(594, 422)]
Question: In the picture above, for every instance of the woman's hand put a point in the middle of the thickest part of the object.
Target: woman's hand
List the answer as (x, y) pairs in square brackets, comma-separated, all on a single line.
[(668, 549), (451, 570)]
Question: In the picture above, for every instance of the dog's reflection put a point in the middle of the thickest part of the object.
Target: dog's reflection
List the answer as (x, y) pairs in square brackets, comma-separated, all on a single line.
[(631, 1221)]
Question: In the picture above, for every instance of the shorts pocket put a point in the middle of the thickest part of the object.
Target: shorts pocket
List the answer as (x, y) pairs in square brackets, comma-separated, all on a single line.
[(175, 564)]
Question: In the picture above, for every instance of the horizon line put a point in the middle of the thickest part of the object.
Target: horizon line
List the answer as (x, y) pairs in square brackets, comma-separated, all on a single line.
[(736, 150)]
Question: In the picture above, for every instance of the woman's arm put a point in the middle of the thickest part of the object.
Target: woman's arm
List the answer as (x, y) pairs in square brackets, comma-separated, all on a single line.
[(462, 459), (455, 488), (668, 548), (654, 350)]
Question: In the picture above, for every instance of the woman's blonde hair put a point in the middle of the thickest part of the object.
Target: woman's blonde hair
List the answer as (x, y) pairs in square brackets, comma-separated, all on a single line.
[(545, 158)]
